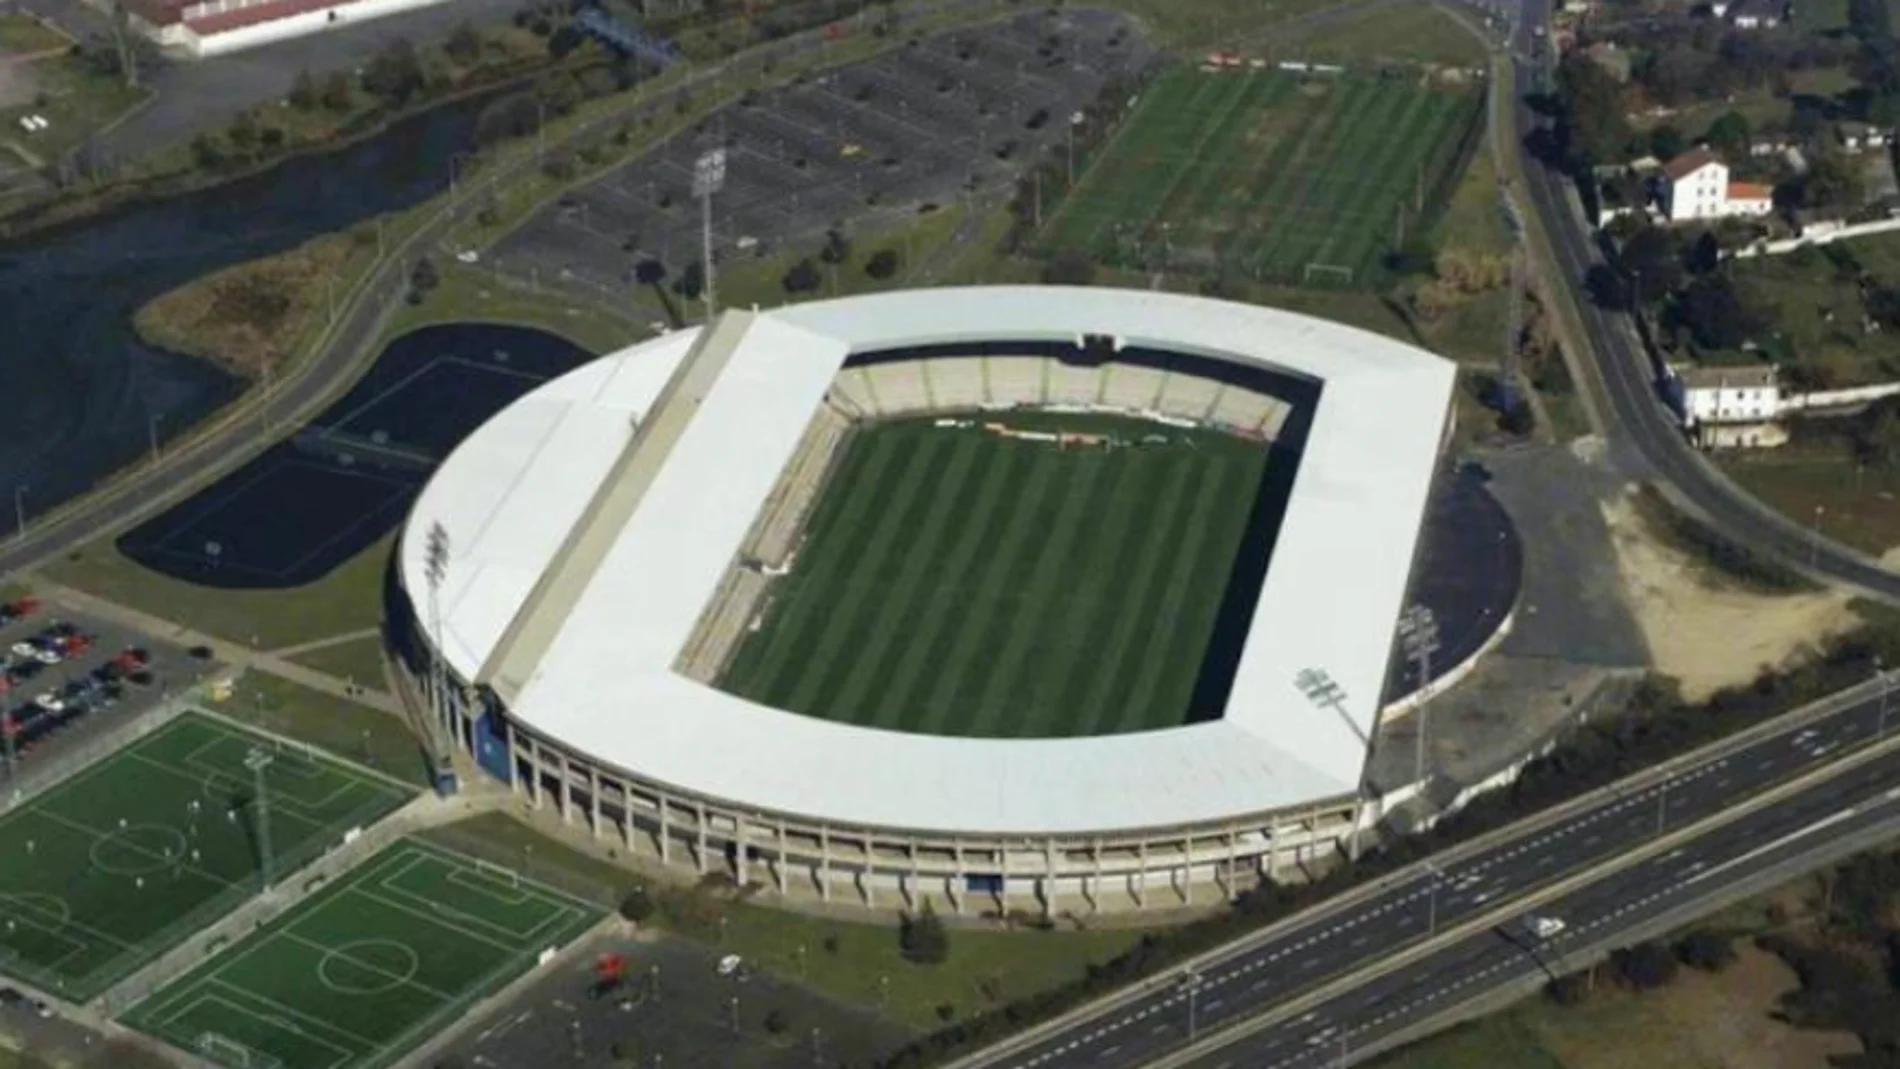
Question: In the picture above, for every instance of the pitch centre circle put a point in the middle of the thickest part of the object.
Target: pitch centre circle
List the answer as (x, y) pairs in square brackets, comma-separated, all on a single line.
[(137, 849), (367, 966)]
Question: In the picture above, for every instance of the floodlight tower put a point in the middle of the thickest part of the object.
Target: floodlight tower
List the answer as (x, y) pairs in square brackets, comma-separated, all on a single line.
[(1418, 633), (709, 175), (257, 760)]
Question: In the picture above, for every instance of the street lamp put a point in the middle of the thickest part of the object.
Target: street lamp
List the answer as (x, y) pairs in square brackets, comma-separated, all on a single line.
[(709, 175), (1418, 634), (1191, 983), (19, 512), (1431, 898), (1880, 670), (1814, 540)]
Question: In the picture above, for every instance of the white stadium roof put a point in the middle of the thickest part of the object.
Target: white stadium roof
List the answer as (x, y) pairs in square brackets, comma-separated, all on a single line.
[(602, 681)]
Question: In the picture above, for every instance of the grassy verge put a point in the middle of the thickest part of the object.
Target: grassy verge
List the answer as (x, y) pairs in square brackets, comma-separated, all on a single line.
[(855, 962), (1732, 560), (1213, 23), (22, 34), (75, 99), (469, 294), (1405, 33), (360, 661), (354, 732), (348, 599), (1859, 505)]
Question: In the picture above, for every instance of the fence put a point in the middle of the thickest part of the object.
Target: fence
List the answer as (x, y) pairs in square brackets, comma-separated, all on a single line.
[(1815, 234)]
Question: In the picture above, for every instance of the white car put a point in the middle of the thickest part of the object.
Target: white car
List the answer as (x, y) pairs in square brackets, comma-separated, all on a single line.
[(50, 702), (1544, 927), (25, 649), (49, 654), (468, 256), (730, 964)]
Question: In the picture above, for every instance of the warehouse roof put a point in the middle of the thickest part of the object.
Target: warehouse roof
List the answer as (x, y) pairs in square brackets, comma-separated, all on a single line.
[(517, 495)]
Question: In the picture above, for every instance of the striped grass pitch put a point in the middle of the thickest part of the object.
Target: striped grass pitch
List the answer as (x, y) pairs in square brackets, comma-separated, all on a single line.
[(1266, 172), (958, 583)]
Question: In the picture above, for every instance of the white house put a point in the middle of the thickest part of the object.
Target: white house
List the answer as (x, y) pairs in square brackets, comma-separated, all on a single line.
[(1695, 185), (1732, 406), (1756, 14)]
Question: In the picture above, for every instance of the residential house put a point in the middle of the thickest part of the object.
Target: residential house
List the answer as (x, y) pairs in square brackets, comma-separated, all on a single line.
[(1731, 407), (1696, 185), (1857, 137)]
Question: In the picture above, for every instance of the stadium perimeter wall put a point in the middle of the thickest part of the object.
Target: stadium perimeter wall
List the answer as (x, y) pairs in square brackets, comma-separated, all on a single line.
[(889, 867)]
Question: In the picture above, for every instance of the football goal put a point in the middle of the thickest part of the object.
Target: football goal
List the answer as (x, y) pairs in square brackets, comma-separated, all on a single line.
[(229, 1052)]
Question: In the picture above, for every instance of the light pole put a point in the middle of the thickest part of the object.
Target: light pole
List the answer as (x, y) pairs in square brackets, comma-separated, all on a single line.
[(19, 512), (1431, 898), (1880, 727), (709, 174), (1418, 634), (1662, 806), (437, 559), (1814, 540), (455, 163), (1191, 983), (151, 432), (257, 760)]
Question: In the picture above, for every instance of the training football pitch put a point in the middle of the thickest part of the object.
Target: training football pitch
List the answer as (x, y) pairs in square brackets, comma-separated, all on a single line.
[(125, 859), (1269, 174), (959, 583), (360, 973)]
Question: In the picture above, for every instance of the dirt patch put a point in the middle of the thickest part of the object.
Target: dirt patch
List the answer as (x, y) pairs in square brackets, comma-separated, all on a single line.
[(1699, 627), (17, 84), (1700, 1021)]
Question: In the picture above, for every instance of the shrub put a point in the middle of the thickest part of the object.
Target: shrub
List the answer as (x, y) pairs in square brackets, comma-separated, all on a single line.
[(776, 1022), (638, 906), (923, 938), (1645, 966), (1706, 950), (882, 264)]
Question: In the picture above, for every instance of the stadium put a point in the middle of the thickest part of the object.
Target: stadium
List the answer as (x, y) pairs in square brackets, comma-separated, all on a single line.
[(1011, 596)]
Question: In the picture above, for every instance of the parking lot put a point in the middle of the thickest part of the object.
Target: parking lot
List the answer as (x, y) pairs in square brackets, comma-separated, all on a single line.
[(71, 677), (675, 1006), (867, 145)]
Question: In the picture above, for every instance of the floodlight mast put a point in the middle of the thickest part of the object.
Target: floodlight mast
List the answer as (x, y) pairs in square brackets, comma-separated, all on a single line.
[(1418, 633), (257, 760), (709, 176), (437, 569)]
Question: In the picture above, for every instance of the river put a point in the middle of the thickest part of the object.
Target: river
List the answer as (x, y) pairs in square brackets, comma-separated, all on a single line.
[(83, 396)]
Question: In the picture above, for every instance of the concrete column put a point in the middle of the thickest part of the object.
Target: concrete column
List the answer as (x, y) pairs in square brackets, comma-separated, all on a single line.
[(1233, 860), (1141, 877), (864, 876), (1187, 870), (1002, 865), (910, 889), (1273, 850), (567, 792), (699, 811), (666, 831), (593, 800), (824, 862), (533, 750), (959, 880), (627, 830), (1049, 876), (783, 861), (514, 781), (739, 848), (1095, 879)]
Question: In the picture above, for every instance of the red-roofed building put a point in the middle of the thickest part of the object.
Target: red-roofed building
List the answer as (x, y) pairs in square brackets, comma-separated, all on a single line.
[(1696, 185), (199, 28)]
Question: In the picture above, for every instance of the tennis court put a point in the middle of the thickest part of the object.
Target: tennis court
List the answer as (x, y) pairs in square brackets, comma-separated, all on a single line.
[(129, 857), (363, 971)]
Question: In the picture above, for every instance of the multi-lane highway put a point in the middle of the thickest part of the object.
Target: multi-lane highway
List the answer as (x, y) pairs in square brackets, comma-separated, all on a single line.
[(1350, 945), (1619, 373)]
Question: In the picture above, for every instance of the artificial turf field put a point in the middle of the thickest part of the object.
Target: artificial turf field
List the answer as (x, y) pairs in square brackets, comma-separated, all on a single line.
[(363, 971), (1267, 172), (128, 857), (958, 583)]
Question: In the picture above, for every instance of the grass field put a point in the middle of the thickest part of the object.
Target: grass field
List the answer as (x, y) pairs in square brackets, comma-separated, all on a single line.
[(351, 730), (127, 858), (358, 974), (959, 583), (1273, 176)]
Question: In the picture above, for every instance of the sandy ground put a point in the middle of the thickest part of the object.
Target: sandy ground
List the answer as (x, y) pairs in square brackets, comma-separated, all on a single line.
[(16, 83), (1703, 630), (1700, 1021)]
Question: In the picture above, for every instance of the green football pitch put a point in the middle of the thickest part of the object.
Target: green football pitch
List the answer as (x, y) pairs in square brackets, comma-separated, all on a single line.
[(363, 971), (955, 582), (1273, 175), (128, 857)]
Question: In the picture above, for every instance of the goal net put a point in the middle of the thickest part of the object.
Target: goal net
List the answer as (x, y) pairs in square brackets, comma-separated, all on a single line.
[(507, 877), (229, 1052)]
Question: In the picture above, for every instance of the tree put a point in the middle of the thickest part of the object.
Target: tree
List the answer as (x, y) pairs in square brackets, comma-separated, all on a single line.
[(305, 94), (464, 46), (1666, 142), (1593, 125), (424, 277), (1729, 135), (394, 74), (1705, 950), (649, 271), (1645, 966), (777, 1022), (638, 906), (1569, 990), (1876, 433), (337, 94), (1832, 181), (691, 281), (1652, 258), (922, 937), (837, 247), (882, 265), (1869, 22), (1713, 313), (803, 277)]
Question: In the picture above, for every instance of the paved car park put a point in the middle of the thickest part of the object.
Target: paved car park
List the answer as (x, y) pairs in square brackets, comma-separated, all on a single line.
[(871, 144), (676, 1006), (71, 677)]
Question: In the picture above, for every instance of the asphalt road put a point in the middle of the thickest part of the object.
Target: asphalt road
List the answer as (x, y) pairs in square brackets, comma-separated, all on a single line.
[(1622, 377), (1299, 958)]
